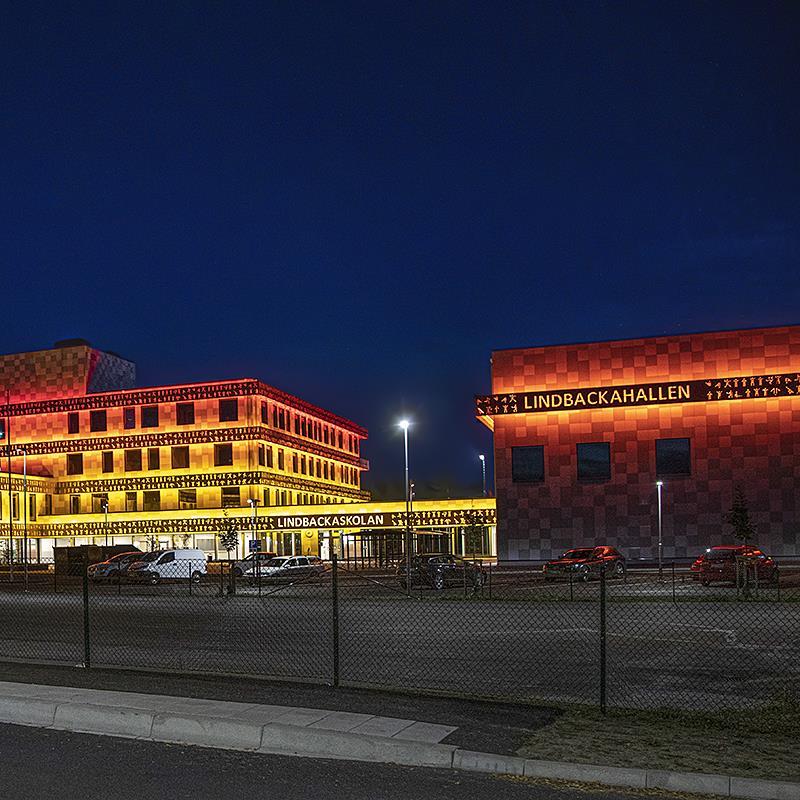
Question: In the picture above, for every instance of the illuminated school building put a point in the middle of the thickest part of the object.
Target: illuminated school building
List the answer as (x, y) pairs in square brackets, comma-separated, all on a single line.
[(583, 435), (96, 460)]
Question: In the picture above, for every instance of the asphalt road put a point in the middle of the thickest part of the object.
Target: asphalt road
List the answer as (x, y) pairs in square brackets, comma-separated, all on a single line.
[(44, 763), (685, 654)]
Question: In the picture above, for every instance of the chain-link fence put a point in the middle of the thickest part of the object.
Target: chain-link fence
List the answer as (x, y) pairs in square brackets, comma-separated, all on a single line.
[(635, 639)]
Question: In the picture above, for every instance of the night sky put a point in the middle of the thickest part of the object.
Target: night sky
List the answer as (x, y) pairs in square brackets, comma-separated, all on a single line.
[(358, 202)]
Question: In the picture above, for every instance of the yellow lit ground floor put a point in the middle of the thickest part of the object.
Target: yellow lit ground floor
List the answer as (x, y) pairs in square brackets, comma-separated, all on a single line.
[(361, 533)]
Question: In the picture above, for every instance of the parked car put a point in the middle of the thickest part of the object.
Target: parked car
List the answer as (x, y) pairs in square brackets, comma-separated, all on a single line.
[(169, 565), (438, 570), (719, 564), (244, 564), (585, 563), (113, 568), (289, 568)]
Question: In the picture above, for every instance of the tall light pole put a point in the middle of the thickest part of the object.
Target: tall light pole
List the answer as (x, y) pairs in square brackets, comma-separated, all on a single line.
[(24, 453), (659, 485), (482, 457), (254, 505), (105, 511), (404, 423)]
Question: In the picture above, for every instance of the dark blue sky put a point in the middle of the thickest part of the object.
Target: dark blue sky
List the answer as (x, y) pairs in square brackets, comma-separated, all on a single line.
[(357, 202)]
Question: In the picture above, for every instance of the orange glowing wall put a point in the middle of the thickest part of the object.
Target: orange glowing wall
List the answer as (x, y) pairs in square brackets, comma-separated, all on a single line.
[(753, 443)]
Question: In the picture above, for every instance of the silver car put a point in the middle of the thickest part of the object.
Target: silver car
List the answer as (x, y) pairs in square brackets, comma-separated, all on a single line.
[(243, 565), (287, 568)]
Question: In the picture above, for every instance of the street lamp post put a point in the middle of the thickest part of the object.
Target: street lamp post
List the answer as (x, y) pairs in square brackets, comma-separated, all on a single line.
[(404, 423), (254, 505), (24, 453), (482, 457), (105, 512), (659, 485)]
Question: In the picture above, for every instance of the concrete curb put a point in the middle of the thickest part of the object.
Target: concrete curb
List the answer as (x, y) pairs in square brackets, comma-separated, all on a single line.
[(273, 737)]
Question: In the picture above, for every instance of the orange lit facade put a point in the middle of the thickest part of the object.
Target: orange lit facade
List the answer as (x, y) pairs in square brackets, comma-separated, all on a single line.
[(95, 460), (582, 434)]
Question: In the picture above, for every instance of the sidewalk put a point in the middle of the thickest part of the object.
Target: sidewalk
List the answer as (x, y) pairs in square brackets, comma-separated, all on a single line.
[(332, 733)]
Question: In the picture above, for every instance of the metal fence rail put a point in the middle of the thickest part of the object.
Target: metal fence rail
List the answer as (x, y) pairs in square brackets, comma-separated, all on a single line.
[(640, 641)]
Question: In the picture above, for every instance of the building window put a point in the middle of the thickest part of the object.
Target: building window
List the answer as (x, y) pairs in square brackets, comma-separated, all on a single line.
[(32, 507), (99, 503), (73, 423), (274, 417), (673, 457), (151, 501), (75, 464), (74, 504), (269, 458), (594, 461), (264, 413), (282, 419), (229, 410), (230, 496), (15, 505), (98, 420), (187, 498), (180, 457), (184, 413), (266, 497), (153, 458), (295, 467), (129, 418), (262, 456), (281, 460), (131, 501), (527, 464), (133, 460), (297, 424), (223, 455), (108, 461), (149, 416), (48, 505)]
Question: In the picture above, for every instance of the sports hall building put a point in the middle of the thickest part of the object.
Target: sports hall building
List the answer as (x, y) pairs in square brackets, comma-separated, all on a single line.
[(583, 433)]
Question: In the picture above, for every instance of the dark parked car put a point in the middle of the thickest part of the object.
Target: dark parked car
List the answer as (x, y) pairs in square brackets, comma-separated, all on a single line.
[(719, 564), (439, 570), (245, 564), (113, 568), (585, 563)]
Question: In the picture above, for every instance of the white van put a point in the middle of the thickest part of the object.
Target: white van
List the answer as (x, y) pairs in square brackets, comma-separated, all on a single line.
[(169, 565)]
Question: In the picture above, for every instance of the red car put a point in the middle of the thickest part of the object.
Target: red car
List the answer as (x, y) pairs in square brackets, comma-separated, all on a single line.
[(718, 564), (585, 563)]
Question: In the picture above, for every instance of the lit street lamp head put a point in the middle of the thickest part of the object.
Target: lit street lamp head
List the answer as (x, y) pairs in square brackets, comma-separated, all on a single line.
[(659, 483), (482, 457), (404, 423)]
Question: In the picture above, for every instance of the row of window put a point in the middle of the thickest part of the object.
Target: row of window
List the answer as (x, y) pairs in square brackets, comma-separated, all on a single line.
[(230, 497), (32, 505), (593, 460), (228, 411), (223, 457)]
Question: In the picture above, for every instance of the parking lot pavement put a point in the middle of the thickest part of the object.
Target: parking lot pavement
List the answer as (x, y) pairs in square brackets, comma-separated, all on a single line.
[(47, 763), (697, 654)]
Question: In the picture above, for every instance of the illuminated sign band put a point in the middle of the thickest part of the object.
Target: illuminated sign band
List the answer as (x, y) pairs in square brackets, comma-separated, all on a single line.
[(395, 519), (641, 394)]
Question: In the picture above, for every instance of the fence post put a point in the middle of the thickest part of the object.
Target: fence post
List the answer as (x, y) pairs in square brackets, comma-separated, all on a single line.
[(221, 564), (191, 569), (490, 580), (335, 602), (602, 642), (571, 595), (673, 583), (87, 653)]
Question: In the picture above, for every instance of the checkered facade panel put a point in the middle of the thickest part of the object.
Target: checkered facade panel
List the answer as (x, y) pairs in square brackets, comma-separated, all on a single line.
[(63, 372), (752, 443)]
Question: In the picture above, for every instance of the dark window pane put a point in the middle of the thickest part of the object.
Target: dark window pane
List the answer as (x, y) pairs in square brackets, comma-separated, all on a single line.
[(153, 458), (180, 458), (264, 413), (223, 455), (187, 498), (97, 420), (149, 416), (75, 464), (75, 504), (184, 413), (73, 423), (673, 457), (151, 501), (108, 461), (230, 496), (129, 418), (527, 464), (228, 410), (131, 503), (133, 460), (594, 461)]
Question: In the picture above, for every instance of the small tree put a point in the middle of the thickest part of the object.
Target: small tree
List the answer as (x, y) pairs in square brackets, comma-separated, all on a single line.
[(184, 539), (229, 539), (151, 540), (473, 534), (739, 518)]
